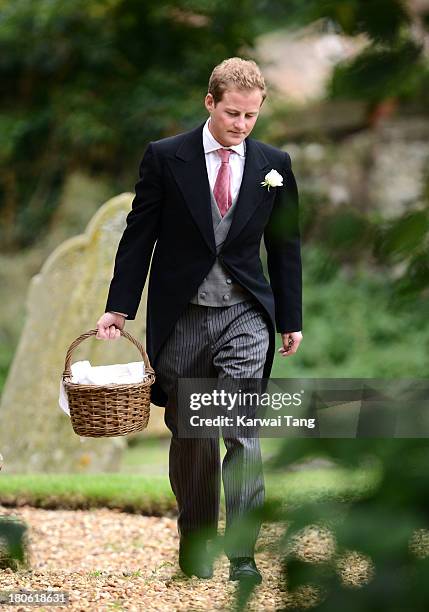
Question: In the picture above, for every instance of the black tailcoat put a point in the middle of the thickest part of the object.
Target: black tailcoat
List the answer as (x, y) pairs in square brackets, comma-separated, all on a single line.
[(171, 211)]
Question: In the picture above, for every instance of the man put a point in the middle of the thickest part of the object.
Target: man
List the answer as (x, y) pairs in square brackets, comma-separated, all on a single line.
[(203, 202)]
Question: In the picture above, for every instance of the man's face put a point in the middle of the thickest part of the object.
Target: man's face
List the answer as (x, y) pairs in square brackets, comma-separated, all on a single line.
[(233, 118)]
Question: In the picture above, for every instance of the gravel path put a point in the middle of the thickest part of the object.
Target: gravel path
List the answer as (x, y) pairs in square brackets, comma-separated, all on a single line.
[(110, 560)]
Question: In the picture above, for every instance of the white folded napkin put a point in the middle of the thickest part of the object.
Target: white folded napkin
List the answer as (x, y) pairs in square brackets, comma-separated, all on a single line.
[(84, 373)]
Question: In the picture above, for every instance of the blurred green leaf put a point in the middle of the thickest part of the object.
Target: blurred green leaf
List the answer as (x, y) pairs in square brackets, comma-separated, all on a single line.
[(379, 72), (402, 236), (12, 533)]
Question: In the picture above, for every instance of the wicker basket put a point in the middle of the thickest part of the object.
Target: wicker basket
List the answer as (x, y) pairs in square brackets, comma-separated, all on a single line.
[(108, 410)]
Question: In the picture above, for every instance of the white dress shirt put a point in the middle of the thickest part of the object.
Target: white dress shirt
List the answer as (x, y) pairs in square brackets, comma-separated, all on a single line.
[(236, 160)]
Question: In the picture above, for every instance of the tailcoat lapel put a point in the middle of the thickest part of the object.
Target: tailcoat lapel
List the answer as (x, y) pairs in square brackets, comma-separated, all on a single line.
[(188, 166)]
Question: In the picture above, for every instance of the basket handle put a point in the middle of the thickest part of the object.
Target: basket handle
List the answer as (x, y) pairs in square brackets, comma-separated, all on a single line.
[(92, 332)]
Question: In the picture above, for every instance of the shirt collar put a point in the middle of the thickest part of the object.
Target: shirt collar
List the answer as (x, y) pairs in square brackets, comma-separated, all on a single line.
[(211, 144)]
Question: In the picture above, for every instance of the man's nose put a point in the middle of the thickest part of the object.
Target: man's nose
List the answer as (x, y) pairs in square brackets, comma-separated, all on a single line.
[(240, 123)]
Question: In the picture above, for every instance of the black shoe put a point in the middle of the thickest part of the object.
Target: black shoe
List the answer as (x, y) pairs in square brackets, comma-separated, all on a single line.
[(194, 559), (244, 568)]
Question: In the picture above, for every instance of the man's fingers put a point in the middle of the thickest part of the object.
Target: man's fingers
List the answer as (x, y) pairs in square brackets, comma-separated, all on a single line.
[(291, 347), (106, 330), (114, 332), (107, 333)]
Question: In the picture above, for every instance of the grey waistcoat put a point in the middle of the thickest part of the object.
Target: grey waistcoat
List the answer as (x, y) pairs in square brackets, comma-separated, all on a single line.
[(218, 288)]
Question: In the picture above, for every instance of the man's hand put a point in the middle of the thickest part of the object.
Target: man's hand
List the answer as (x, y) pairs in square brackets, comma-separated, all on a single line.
[(291, 342), (109, 326)]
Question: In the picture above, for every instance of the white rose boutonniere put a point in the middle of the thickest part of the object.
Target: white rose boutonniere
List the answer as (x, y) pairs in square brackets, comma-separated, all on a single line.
[(272, 179)]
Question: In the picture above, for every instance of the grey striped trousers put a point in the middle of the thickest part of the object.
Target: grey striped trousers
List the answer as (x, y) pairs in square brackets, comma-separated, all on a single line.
[(222, 343)]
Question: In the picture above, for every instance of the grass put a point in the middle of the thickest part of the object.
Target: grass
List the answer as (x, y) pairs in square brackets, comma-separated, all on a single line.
[(143, 485), (151, 495), (133, 493), (322, 483), (147, 456)]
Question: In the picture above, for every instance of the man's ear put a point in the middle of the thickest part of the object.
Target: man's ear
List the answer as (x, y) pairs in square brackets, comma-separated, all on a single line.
[(209, 102)]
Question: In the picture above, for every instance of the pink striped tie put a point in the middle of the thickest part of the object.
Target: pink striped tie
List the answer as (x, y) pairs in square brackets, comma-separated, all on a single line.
[(222, 189)]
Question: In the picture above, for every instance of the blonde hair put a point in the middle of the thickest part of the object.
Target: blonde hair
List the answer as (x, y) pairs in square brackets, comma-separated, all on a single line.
[(238, 73)]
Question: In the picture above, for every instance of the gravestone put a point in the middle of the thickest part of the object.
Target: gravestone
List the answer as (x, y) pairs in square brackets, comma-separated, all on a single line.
[(65, 300)]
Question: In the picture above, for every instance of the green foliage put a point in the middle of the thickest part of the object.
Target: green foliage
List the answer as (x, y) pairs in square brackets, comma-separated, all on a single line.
[(393, 63), (381, 524), (402, 235), (346, 237), (380, 72), (381, 21), (404, 241), (416, 278), (354, 326), (88, 83), (6, 356), (12, 543), (387, 524)]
